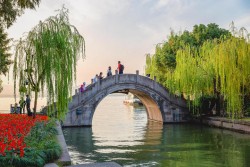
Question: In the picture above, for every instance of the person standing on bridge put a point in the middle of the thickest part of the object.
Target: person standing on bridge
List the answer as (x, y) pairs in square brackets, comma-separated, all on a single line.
[(84, 86), (95, 78), (100, 76), (120, 67), (81, 88), (109, 72)]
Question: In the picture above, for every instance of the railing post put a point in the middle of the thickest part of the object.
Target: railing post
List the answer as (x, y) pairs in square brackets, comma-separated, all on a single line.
[(116, 76), (154, 82), (98, 84), (77, 91), (137, 74)]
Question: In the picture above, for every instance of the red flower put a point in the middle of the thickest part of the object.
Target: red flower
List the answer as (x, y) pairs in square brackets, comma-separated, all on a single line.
[(13, 129)]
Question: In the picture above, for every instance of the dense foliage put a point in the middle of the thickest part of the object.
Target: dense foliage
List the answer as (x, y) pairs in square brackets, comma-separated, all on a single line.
[(27, 142), (47, 57), (9, 11), (4, 54), (164, 59), (217, 68)]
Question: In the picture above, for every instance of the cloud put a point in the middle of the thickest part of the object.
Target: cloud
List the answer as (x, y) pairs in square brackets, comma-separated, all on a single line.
[(243, 21), (127, 29)]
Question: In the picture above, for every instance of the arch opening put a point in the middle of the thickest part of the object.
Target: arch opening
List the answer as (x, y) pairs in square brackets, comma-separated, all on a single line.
[(111, 109), (152, 109)]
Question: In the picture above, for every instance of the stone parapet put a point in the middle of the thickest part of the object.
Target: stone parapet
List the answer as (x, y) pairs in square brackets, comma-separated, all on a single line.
[(225, 123)]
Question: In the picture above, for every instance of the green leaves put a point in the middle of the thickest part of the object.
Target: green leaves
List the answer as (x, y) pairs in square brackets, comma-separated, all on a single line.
[(11, 9), (164, 59), (208, 62), (47, 57), (4, 54), (43, 144)]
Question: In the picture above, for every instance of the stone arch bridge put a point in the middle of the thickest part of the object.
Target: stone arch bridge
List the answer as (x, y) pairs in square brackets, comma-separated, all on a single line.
[(159, 103)]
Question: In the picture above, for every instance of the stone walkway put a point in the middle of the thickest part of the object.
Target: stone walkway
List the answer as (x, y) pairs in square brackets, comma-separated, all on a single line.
[(103, 164), (51, 165)]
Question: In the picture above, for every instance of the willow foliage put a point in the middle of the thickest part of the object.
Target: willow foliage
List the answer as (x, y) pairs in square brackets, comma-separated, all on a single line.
[(155, 68), (194, 74), (223, 67), (216, 67), (47, 58), (231, 64)]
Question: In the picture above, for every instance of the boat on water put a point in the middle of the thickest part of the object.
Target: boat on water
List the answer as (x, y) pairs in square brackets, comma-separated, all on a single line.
[(132, 100)]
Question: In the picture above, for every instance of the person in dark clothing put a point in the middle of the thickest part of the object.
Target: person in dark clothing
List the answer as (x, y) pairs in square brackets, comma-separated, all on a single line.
[(28, 105), (100, 76), (109, 72)]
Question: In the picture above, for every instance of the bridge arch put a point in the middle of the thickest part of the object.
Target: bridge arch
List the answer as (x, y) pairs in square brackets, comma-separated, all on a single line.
[(160, 105)]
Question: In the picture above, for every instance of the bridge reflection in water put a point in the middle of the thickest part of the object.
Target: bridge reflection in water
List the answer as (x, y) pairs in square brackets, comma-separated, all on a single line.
[(119, 132), (123, 134)]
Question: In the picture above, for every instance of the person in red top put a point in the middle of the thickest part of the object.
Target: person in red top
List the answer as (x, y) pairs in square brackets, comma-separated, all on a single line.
[(120, 68)]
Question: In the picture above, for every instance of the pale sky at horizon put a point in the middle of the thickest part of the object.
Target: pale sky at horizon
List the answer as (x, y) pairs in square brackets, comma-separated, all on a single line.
[(126, 30)]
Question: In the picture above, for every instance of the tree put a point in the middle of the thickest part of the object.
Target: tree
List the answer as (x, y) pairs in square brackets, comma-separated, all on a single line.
[(9, 11), (165, 53), (4, 55), (47, 58), (219, 69), (208, 63)]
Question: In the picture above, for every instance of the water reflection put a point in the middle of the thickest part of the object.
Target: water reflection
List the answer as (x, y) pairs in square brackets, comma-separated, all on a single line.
[(168, 145), (123, 134)]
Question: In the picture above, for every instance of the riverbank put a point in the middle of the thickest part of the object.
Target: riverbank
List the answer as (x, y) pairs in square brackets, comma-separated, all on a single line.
[(238, 125)]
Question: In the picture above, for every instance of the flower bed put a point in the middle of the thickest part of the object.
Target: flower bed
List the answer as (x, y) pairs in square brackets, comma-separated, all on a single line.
[(25, 141), (13, 129)]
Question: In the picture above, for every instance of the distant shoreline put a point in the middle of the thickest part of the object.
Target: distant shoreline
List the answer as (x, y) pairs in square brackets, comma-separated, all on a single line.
[(8, 96)]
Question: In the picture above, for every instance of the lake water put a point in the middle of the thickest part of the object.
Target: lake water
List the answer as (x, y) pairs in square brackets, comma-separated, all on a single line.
[(122, 134)]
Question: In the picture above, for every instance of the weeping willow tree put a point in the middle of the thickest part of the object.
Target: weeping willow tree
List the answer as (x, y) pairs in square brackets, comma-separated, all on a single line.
[(45, 59), (216, 69), (210, 64), (165, 53)]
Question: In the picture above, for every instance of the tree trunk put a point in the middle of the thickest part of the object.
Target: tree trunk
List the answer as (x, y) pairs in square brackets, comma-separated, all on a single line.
[(217, 100), (218, 103), (35, 103)]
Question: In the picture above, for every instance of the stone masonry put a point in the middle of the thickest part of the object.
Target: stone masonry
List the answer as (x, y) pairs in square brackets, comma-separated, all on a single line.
[(160, 104)]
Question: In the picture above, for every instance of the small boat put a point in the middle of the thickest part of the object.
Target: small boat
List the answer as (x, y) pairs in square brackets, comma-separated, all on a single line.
[(132, 100)]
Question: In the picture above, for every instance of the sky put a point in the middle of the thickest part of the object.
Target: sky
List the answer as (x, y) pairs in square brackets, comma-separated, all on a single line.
[(126, 30)]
